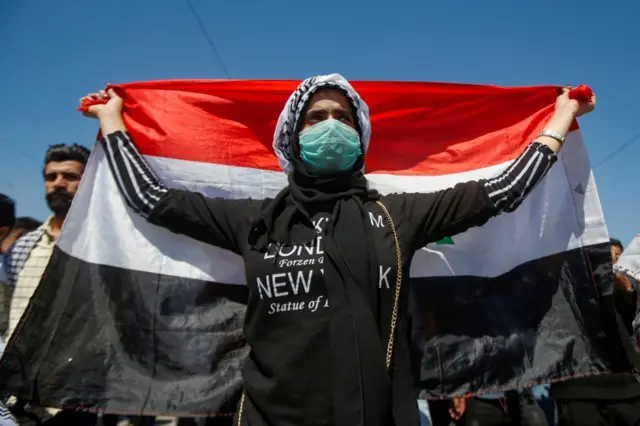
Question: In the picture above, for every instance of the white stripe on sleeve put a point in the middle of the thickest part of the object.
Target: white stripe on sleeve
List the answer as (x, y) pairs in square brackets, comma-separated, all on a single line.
[(511, 187), (140, 187)]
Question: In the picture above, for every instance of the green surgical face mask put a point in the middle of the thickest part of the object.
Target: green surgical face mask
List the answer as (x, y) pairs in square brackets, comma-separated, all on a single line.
[(329, 147)]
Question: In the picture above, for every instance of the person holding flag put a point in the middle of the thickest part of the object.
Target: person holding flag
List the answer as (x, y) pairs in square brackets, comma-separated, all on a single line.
[(340, 355)]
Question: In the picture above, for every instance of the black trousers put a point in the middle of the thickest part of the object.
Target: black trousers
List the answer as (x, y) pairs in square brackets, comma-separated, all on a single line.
[(487, 412), (517, 409), (210, 421), (576, 412), (439, 410)]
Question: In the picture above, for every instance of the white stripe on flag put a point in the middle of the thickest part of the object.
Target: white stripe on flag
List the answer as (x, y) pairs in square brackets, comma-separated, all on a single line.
[(562, 213)]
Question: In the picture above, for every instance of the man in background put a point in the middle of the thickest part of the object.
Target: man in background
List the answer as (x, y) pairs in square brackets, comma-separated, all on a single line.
[(63, 168), (29, 256)]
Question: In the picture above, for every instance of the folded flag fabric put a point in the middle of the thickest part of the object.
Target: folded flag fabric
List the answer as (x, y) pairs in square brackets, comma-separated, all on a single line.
[(132, 318)]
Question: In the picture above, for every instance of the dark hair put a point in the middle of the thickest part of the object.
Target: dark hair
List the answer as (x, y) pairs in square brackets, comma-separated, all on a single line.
[(616, 242), (27, 223), (7, 211), (61, 152)]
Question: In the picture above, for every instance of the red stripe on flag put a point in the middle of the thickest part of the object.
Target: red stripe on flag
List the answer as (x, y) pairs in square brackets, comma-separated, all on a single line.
[(417, 128)]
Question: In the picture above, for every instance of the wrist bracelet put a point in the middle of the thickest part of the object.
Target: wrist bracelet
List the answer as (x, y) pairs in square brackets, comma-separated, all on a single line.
[(553, 135)]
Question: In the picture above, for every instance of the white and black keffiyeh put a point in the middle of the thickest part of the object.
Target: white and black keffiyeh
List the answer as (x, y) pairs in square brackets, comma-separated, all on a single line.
[(20, 251), (285, 133)]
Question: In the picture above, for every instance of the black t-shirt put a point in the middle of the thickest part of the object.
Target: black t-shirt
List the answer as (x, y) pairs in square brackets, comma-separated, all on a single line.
[(286, 376)]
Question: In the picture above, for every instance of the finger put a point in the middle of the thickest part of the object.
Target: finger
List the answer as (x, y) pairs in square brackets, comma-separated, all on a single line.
[(103, 94), (112, 94), (88, 97)]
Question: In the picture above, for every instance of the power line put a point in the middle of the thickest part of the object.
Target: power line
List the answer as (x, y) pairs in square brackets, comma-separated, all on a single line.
[(618, 151), (20, 151), (206, 36)]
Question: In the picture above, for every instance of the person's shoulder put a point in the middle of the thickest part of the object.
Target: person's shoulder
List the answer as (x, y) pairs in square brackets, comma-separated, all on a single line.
[(20, 250), (246, 209), (25, 242), (29, 237)]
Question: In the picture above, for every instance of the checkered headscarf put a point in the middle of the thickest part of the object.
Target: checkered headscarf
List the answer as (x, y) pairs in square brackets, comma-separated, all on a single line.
[(285, 133)]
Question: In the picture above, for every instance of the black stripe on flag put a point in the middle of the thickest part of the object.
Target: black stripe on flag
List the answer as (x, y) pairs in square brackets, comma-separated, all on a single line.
[(144, 342), (544, 319), (160, 344)]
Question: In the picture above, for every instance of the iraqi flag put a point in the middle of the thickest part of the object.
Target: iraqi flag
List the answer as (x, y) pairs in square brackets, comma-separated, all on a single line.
[(132, 318)]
